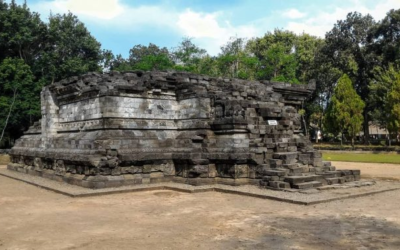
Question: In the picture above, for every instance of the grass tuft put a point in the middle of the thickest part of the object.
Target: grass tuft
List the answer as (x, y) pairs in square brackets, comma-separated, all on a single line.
[(371, 158)]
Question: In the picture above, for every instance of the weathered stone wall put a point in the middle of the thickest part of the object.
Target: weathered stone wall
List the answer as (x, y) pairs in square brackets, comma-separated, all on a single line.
[(102, 130)]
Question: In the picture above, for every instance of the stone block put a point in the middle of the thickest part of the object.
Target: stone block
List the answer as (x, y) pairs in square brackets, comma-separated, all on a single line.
[(124, 128)]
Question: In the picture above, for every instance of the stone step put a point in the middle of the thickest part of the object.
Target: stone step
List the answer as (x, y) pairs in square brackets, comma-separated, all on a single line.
[(279, 184), (276, 172), (290, 166), (285, 155), (300, 179), (330, 174), (305, 185), (345, 172), (296, 171), (335, 180), (327, 163)]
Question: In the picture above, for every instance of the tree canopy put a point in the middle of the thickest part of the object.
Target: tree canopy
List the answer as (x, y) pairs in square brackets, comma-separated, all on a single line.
[(357, 50), (345, 111)]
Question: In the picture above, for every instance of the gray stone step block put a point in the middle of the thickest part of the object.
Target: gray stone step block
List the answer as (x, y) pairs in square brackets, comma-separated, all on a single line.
[(335, 180), (300, 179), (279, 184), (276, 172), (305, 185)]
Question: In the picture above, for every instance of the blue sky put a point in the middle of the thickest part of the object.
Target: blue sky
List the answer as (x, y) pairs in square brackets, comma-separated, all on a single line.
[(121, 24)]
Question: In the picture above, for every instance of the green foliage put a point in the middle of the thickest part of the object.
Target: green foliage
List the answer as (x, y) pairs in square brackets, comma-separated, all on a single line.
[(275, 51), (392, 106), (345, 111), (346, 49), (357, 157), (208, 66), (386, 38), (306, 50), (187, 56), (22, 33), (380, 87), (71, 50), (236, 61), (154, 62), (17, 79), (138, 52), (285, 56), (144, 58), (34, 53)]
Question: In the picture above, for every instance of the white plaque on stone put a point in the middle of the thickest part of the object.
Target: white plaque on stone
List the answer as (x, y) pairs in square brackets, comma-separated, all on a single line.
[(272, 122)]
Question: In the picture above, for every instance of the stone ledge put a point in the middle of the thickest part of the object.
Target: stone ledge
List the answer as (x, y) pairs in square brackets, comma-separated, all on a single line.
[(299, 198)]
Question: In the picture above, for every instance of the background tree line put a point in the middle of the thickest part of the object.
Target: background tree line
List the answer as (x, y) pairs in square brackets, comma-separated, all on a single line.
[(356, 66)]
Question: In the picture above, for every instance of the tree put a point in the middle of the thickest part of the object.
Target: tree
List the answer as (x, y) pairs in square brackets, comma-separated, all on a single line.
[(346, 48), (276, 53), (345, 111), (22, 33), (306, 49), (380, 87), (208, 66), (144, 58), (154, 62), (236, 61), (138, 52), (18, 96), (187, 56), (392, 107), (107, 58), (71, 49), (385, 38)]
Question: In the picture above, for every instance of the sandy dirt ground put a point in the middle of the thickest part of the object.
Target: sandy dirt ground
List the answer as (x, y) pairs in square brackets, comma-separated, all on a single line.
[(372, 170), (33, 218), (4, 159)]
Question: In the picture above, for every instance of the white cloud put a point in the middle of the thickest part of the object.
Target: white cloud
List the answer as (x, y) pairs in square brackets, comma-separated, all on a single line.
[(209, 31), (323, 21), (104, 9), (110, 13), (198, 25), (293, 14)]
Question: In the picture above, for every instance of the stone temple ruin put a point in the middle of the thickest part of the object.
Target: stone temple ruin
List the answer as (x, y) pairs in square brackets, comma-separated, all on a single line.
[(108, 130)]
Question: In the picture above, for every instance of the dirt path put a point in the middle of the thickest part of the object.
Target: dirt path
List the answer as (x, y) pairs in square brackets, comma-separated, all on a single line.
[(372, 170), (32, 218)]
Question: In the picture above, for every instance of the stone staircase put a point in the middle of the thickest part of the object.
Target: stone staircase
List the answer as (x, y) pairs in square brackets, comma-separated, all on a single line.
[(288, 172)]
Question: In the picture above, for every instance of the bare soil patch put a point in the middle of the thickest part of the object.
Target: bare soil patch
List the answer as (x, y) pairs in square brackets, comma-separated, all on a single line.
[(4, 159), (33, 218), (372, 170)]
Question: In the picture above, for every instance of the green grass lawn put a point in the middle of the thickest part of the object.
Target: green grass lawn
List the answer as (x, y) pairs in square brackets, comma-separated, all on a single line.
[(373, 158)]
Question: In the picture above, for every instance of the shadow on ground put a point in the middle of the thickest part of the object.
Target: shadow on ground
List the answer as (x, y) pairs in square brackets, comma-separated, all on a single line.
[(342, 232)]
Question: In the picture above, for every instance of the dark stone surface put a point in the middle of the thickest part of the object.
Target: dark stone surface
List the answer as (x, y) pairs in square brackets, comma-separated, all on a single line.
[(107, 130)]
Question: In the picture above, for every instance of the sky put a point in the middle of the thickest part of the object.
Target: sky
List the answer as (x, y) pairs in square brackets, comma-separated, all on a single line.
[(120, 24)]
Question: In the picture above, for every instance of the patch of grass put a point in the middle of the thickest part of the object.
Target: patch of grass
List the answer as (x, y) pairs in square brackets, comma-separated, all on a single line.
[(4, 159), (372, 158), (360, 147)]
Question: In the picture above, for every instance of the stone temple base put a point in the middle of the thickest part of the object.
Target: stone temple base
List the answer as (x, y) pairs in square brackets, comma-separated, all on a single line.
[(115, 129), (275, 179)]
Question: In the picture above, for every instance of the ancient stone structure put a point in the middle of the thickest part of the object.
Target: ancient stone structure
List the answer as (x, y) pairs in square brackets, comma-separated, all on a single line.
[(106, 130)]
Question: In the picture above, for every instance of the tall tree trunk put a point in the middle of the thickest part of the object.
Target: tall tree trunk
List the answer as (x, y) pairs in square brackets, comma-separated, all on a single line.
[(341, 141), (9, 114), (366, 127)]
